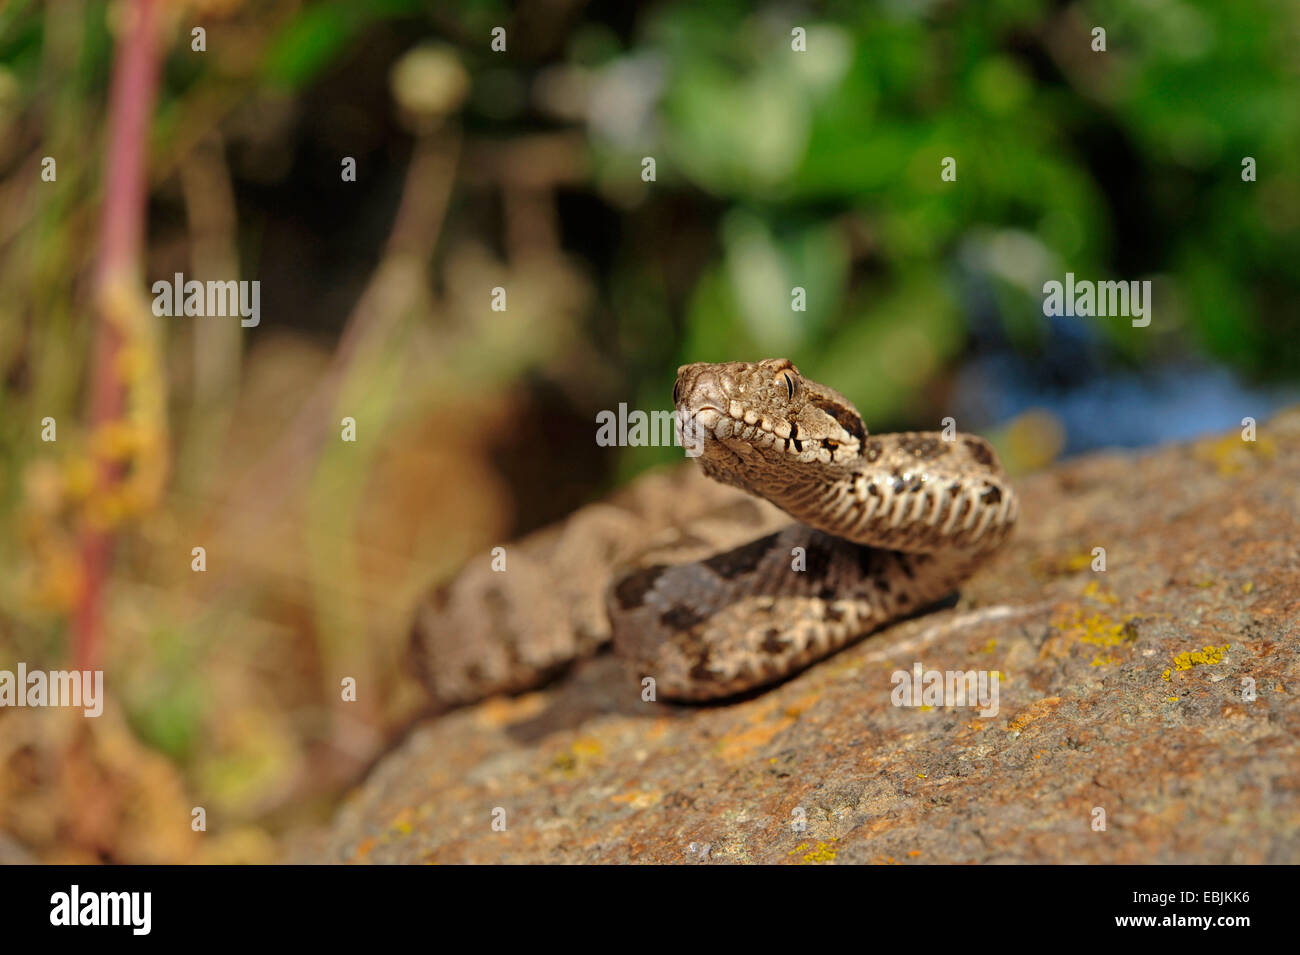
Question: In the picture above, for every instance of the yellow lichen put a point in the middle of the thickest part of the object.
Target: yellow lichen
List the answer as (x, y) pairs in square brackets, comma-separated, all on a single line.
[(402, 823), (581, 754), (1206, 656), (1094, 591), (1230, 453), (1097, 629), (1078, 562), (1062, 565), (823, 852), (564, 763)]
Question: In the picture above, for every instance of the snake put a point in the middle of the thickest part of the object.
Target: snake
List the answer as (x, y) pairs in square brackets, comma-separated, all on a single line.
[(793, 533)]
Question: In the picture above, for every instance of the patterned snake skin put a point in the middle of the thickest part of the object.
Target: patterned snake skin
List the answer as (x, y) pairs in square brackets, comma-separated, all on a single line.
[(708, 590)]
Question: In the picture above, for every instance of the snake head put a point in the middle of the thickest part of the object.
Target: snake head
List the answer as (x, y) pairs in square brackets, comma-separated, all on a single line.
[(738, 416)]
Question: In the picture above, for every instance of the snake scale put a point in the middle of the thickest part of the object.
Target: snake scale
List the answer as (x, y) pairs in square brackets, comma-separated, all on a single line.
[(705, 585)]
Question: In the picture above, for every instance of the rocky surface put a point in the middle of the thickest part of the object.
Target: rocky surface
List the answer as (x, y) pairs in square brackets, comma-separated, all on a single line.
[(1125, 731)]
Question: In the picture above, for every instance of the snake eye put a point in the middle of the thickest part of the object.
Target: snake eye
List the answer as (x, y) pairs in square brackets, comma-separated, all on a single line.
[(789, 384)]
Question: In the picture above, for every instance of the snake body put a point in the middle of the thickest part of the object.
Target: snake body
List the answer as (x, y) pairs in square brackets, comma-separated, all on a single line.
[(709, 591)]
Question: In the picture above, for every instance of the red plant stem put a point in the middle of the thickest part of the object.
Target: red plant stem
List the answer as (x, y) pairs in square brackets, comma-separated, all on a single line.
[(121, 233)]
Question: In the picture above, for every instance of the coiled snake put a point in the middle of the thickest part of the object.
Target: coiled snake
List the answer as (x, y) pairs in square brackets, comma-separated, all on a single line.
[(708, 590)]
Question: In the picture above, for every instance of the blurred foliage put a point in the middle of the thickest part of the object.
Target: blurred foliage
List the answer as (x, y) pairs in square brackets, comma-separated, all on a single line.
[(522, 169)]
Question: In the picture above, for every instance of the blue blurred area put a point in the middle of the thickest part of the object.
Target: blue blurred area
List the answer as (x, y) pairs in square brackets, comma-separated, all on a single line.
[(1126, 409)]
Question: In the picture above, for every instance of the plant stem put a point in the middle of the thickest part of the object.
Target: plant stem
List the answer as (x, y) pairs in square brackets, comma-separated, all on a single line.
[(121, 233)]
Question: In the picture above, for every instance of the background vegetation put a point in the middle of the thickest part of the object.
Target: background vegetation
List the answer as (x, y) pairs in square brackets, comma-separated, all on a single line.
[(522, 169)]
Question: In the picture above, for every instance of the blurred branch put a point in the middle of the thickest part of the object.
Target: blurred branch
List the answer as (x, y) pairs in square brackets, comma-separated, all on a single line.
[(131, 102)]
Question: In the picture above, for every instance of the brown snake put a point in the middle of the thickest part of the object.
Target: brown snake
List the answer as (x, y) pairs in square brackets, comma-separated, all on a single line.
[(703, 588)]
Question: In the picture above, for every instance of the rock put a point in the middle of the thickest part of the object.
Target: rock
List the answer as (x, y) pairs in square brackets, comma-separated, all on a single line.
[(1125, 729)]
